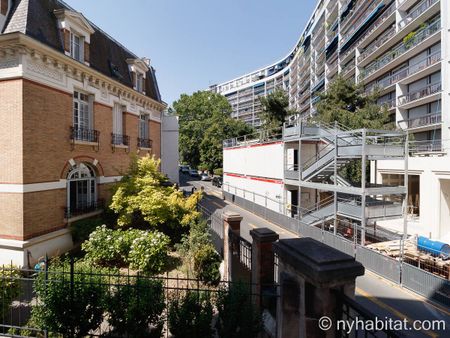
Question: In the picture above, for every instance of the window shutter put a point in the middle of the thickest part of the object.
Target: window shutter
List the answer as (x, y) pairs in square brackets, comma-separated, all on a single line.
[(133, 79), (87, 52), (143, 84), (3, 7), (66, 40)]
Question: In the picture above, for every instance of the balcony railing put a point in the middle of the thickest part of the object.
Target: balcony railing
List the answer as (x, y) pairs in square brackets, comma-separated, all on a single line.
[(427, 146), (421, 93), (118, 139), (379, 21), (406, 72), (389, 104), (402, 48), (415, 12), (144, 143), (83, 208), (84, 135), (355, 26), (377, 44), (422, 121)]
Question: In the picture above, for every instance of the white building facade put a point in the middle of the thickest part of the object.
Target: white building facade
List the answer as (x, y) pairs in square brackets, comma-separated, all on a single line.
[(400, 47)]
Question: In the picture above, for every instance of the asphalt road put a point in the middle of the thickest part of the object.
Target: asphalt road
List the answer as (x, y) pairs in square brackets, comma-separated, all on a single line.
[(384, 299)]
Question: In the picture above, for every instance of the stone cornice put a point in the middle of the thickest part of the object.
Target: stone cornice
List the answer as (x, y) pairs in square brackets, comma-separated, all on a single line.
[(19, 43)]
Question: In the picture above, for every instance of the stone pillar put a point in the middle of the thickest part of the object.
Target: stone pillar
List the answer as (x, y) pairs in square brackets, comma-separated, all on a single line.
[(262, 260), (231, 222), (311, 275)]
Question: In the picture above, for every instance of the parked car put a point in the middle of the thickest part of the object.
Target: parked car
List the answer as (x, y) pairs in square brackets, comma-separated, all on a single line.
[(217, 181), (205, 177), (184, 169), (194, 173)]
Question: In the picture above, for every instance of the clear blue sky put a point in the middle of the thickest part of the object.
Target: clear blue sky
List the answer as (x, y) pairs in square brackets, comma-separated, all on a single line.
[(196, 43)]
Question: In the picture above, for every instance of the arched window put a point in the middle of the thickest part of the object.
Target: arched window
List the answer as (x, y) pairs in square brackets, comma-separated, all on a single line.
[(81, 190)]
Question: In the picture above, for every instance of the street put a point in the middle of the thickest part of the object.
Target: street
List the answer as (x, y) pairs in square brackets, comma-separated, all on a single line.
[(383, 298)]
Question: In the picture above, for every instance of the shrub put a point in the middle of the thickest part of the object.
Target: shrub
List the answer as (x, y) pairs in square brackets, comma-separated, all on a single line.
[(142, 250), (134, 309), (238, 316), (206, 265), (218, 172), (199, 254), (67, 308), (148, 251), (191, 315), (104, 247), (9, 287)]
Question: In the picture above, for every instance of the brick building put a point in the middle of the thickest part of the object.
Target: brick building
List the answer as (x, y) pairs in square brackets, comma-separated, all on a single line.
[(74, 104)]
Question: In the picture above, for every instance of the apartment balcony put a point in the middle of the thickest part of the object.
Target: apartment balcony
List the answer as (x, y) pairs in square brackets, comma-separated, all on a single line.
[(389, 104), (354, 15), (423, 39), (332, 69), (422, 122), (379, 26), (422, 96), (426, 148), (376, 45), (120, 141), (83, 209), (144, 143), (348, 70), (347, 55), (418, 70), (84, 136), (363, 19), (417, 11), (304, 106)]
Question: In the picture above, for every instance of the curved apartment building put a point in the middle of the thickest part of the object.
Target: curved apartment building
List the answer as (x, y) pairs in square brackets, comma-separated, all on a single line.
[(400, 47)]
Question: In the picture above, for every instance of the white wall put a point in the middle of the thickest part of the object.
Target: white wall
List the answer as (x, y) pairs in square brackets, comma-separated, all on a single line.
[(431, 170), (261, 160), (256, 189), (169, 147)]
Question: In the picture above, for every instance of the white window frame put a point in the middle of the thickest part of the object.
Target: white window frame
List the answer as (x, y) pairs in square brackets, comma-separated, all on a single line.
[(77, 47), (139, 82), (118, 131), (82, 175), (82, 110)]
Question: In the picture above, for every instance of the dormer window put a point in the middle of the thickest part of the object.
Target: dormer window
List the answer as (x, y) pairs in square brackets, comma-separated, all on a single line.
[(76, 34), (138, 69), (76, 47)]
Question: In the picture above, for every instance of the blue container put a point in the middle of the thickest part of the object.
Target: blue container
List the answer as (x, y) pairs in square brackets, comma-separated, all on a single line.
[(433, 247)]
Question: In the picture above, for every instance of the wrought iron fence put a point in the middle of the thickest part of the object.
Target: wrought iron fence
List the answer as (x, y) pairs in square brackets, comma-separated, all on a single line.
[(84, 134), (83, 208), (32, 287)]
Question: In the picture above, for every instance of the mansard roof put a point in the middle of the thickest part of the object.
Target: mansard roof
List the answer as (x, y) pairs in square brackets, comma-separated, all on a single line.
[(36, 19)]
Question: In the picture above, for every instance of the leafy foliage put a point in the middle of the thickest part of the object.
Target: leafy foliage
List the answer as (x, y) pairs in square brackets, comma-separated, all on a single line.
[(69, 308), (134, 308), (206, 265), (142, 250), (348, 104), (141, 196), (191, 315), (9, 287), (199, 254), (275, 109), (205, 121), (238, 316)]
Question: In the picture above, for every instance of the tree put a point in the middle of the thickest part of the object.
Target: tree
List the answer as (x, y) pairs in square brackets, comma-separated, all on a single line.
[(142, 195), (205, 121), (275, 109), (348, 104)]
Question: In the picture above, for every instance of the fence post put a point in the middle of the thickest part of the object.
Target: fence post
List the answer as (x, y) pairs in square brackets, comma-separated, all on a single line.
[(311, 276), (262, 260), (231, 222)]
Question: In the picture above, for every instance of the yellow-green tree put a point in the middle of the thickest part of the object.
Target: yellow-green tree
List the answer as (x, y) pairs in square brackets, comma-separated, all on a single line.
[(143, 195)]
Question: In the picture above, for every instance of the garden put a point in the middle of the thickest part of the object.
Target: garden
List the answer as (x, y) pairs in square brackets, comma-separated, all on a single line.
[(146, 268)]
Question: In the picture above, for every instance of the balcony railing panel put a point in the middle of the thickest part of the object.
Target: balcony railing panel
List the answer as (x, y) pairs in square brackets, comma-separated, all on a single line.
[(422, 121), (118, 139), (415, 12), (144, 143), (402, 48), (83, 208), (85, 135), (421, 93)]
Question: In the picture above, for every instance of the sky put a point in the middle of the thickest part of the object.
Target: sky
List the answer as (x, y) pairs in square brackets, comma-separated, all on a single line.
[(193, 44)]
